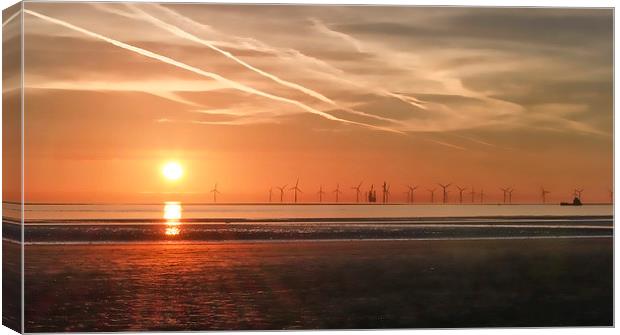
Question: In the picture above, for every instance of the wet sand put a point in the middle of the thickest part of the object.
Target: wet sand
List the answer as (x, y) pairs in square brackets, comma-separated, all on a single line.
[(312, 285), (311, 229), (11, 285)]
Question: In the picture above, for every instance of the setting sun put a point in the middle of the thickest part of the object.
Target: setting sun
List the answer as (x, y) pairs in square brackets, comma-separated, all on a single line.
[(172, 171)]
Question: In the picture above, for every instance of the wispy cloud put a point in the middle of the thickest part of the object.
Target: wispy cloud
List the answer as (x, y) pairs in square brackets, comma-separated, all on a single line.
[(211, 75), (167, 89), (446, 144), (186, 35), (322, 28), (325, 69), (459, 83)]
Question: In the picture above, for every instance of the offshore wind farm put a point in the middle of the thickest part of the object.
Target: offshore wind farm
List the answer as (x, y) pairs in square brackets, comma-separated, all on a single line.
[(359, 195)]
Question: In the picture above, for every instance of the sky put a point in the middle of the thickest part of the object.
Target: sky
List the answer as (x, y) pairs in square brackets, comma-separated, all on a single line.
[(253, 97)]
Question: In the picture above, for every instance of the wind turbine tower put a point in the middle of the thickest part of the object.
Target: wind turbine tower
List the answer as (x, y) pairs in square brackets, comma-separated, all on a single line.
[(282, 191), (410, 192), (461, 190), (337, 191), (384, 192), (432, 192), (320, 193), (357, 191), (372, 194), (296, 189), (505, 190), (215, 193), (543, 193), (510, 195), (445, 192)]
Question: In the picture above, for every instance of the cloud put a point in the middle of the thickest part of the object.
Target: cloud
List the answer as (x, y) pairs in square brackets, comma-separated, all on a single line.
[(322, 28), (198, 71), (183, 34), (424, 70)]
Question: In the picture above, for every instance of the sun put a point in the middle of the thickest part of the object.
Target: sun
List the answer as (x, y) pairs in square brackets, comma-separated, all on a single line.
[(172, 171)]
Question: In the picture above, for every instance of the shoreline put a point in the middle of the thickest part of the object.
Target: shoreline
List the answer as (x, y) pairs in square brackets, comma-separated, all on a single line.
[(385, 220), (304, 231), (370, 240), (254, 203)]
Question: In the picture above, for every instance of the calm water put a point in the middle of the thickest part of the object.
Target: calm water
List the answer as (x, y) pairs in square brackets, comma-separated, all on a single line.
[(176, 222), (276, 211), (216, 267)]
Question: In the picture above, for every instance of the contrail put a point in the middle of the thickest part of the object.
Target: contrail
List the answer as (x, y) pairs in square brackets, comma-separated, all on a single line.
[(475, 140), (251, 43), (201, 72), (320, 26), (449, 145), (267, 48), (184, 34), (259, 46)]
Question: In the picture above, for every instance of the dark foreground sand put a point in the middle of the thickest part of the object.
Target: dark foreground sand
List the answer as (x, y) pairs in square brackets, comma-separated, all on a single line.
[(11, 285), (311, 285)]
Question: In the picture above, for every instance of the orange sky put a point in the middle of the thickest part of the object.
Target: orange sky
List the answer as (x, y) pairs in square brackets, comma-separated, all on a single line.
[(251, 97)]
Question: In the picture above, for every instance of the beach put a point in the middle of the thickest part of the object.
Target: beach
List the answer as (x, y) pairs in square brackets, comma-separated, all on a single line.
[(319, 285), (154, 267)]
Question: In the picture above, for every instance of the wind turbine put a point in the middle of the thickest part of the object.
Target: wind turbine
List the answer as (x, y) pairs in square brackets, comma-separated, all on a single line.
[(505, 190), (387, 194), (215, 193), (510, 195), (357, 191), (432, 192), (461, 190), (371, 194), (384, 195), (282, 191), (481, 195), (321, 192), (473, 194), (337, 191), (578, 193), (296, 189), (410, 192), (270, 193), (445, 192), (544, 193)]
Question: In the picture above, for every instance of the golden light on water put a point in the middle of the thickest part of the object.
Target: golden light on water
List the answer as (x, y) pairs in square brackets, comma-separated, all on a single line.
[(172, 211), (172, 214), (172, 231)]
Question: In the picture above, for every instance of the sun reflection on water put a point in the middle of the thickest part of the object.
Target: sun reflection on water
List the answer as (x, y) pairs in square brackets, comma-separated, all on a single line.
[(172, 214), (172, 231)]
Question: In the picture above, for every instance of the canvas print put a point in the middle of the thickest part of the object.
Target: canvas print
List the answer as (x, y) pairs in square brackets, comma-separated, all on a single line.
[(174, 166)]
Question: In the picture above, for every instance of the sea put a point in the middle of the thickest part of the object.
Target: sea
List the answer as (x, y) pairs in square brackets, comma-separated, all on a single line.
[(188, 266)]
